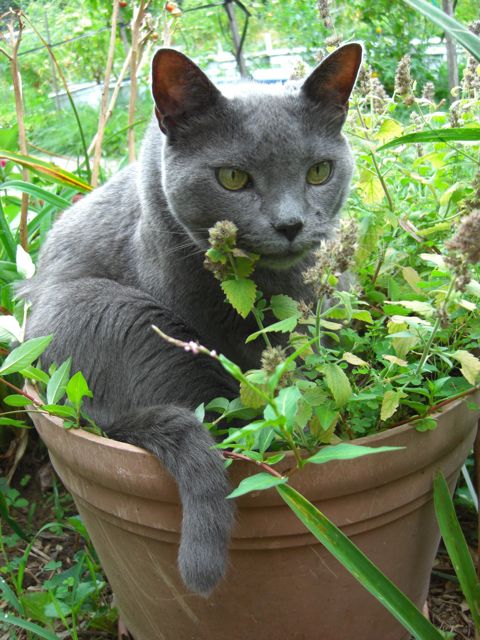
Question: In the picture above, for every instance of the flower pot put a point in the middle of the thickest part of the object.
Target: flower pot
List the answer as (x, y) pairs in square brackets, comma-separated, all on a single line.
[(281, 583)]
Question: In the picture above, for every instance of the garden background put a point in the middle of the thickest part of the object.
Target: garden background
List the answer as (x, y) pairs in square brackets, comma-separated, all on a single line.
[(74, 87)]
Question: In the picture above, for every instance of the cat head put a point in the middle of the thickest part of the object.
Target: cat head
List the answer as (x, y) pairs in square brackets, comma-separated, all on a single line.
[(274, 162)]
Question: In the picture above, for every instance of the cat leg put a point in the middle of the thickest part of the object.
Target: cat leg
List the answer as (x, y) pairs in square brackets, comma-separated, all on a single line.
[(143, 392)]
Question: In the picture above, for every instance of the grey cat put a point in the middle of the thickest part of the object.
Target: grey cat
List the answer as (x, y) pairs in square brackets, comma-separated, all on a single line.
[(130, 255)]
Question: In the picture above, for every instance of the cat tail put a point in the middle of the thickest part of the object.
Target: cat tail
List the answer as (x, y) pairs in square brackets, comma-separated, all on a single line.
[(180, 442)]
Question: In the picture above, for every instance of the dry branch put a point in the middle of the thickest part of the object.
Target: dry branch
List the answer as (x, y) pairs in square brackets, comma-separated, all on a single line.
[(15, 19), (102, 120)]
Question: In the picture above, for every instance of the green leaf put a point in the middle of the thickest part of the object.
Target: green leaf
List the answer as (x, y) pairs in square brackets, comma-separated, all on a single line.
[(283, 326), (470, 365), (359, 565), (58, 382), (10, 422), (258, 482), (466, 38), (390, 403), (346, 451), (17, 400), (218, 405), (24, 355), (422, 308), (10, 597), (240, 294), (283, 307), (28, 626), (77, 389), (62, 411), (32, 373), (460, 134), (370, 188), (456, 545), (389, 129), (338, 383)]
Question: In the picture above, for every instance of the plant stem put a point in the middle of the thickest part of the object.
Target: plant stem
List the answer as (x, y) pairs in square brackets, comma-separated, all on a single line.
[(435, 329), (21, 392), (318, 316)]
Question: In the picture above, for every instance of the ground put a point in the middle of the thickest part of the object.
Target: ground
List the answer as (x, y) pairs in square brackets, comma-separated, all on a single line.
[(446, 604)]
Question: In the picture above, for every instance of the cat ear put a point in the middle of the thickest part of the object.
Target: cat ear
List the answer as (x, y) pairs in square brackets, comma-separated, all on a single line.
[(179, 88), (334, 78)]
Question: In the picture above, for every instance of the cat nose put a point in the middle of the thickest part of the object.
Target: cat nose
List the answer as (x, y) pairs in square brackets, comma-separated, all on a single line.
[(289, 229)]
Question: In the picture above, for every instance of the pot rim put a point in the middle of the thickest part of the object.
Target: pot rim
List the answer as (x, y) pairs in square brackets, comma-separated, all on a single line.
[(123, 446)]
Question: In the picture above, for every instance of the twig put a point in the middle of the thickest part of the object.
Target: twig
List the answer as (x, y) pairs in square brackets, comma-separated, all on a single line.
[(102, 119), (15, 39), (137, 20), (23, 393), (263, 465), (476, 480)]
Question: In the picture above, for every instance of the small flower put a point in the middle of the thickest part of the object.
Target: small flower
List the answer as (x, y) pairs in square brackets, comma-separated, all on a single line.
[(428, 91), (467, 238), (220, 270), (3, 163), (333, 41), (223, 235)]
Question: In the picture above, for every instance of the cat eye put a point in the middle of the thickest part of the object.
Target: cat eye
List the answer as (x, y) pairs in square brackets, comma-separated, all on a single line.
[(320, 172), (232, 179)]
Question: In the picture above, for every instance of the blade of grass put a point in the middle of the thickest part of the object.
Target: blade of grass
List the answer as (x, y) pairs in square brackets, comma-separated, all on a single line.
[(28, 626), (37, 192), (47, 170), (357, 563), (6, 238), (466, 38), (457, 548), (461, 134)]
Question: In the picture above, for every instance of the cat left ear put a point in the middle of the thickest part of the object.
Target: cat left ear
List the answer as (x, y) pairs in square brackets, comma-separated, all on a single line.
[(334, 78), (179, 88)]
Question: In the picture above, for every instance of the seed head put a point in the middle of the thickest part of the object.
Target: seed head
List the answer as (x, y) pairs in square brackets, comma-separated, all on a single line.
[(403, 80), (271, 358), (299, 71), (324, 11)]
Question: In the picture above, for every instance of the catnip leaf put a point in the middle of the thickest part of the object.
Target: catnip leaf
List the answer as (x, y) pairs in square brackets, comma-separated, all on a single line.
[(422, 308), (395, 360), (77, 389), (363, 316), (218, 405), (283, 307), (58, 382), (353, 359), (338, 383), (346, 451), (250, 398), (390, 403), (470, 365), (258, 482), (200, 412), (370, 188), (283, 326), (425, 424), (240, 294), (24, 355), (411, 276), (287, 401)]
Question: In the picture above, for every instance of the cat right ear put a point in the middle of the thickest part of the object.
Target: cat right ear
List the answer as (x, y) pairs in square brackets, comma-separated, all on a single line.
[(333, 80), (179, 89)]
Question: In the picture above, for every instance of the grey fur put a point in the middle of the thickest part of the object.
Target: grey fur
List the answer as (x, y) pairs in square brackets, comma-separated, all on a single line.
[(130, 255)]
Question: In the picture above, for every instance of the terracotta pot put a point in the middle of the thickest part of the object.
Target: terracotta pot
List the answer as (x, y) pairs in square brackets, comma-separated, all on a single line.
[(281, 584)]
